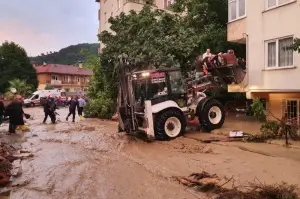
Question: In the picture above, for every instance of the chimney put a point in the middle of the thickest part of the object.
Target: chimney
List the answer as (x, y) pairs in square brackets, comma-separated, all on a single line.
[(80, 64), (44, 64)]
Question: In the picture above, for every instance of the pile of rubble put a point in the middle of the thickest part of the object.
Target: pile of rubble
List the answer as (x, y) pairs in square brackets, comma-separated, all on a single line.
[(219, 188), (8, 156)]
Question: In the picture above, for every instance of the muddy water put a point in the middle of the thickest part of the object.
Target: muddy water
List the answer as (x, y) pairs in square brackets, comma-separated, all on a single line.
[(85, 160), (89, 160)]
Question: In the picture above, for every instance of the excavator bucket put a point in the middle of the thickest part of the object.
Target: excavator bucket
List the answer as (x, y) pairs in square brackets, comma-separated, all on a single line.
[(222, 70)]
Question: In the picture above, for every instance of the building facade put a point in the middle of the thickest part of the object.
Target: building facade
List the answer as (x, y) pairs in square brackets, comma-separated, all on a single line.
[(69, 78), (267, 27)]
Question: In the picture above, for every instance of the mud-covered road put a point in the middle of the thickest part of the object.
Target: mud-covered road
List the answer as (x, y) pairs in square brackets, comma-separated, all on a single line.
[(88, 159)]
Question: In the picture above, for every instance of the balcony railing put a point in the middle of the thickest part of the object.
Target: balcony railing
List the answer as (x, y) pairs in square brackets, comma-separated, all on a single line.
[(55, 82), (150, 2), (71, 82)]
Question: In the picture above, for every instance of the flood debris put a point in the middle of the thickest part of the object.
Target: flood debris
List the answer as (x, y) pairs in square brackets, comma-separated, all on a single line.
[(9, 167), (185, 148), (214, 186)]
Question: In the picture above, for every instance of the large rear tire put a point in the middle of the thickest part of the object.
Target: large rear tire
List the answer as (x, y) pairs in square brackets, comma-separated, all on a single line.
[(169, 124), (212, 115)]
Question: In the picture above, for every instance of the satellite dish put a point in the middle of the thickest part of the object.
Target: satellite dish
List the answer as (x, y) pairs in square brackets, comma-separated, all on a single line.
[(13, 90)]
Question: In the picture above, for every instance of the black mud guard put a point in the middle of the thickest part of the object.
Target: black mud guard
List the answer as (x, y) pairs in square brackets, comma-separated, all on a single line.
[(201, 104)]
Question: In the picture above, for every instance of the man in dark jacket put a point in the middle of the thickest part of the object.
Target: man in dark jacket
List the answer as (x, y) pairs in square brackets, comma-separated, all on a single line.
[(46, 106), (15, 113), (1, 110), (52, 108), (73, 103)]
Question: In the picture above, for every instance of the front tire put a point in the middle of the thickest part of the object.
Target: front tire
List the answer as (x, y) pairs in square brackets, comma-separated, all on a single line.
[(169, 124), (212, 115)]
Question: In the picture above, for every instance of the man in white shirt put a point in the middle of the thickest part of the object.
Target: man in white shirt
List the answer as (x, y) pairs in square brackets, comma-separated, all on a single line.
[(207, 54)]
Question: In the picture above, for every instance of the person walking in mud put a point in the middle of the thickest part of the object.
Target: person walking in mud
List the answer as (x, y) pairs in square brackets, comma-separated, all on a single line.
[(46, 109), (15, 113), (81, 104), (52, 108), (73, 103), (1, 110)]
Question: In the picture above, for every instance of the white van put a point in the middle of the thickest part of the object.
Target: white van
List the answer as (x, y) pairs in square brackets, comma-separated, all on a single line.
[(35, 98)]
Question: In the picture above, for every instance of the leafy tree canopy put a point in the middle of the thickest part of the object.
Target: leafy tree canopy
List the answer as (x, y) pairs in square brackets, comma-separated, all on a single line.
[(21, 86), (155, 38), (15, 64), (150, 38), (296, 45), (70, 55)]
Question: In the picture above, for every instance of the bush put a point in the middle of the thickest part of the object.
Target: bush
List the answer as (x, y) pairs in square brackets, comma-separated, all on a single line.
[(258, 110), (268, 130), (101, 107)]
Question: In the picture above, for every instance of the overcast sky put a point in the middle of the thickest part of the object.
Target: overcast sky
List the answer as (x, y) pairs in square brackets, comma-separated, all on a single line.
[(41, 26)]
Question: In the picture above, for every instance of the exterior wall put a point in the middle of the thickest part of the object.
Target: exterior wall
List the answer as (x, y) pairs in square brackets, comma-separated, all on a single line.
[(71, 85), (265, 25), (262, 25), (43, 78), (111, 8), (276, 105), (236, 30)]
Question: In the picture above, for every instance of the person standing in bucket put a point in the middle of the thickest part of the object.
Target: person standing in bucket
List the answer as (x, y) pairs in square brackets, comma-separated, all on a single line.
[(73, 103), (81, 104)]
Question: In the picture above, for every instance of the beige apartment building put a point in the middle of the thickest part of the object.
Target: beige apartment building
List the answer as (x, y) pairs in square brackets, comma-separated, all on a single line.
[(112, 8), (273, 73)]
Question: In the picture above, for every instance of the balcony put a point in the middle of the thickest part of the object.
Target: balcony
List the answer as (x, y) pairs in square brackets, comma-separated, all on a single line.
[(71, 82), (137, 5), (149, 2), (236, 31), (55, 82)]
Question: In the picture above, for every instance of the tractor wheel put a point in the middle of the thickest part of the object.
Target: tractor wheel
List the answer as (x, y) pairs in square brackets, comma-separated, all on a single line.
[(169, 124), (212, 115)]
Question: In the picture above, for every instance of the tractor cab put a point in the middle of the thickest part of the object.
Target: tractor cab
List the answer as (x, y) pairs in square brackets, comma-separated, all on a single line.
[(158, 86)]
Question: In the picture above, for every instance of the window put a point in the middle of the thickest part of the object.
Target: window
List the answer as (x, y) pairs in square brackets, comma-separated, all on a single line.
[(277, 55), (236, 9), (78, 79), (275, 3), (176, 82), (54, 77), (168, 3), (291, 110)]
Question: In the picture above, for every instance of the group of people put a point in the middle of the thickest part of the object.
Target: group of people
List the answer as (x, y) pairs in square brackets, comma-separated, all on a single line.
[(15, 114), (51, 104), (201, 61)]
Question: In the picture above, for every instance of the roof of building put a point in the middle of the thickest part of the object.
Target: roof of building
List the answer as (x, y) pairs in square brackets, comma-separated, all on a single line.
[(63, 69)]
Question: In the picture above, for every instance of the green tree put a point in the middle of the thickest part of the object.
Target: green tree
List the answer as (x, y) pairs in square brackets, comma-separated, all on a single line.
[(296, 45), (15, 64), (49, 87), (91, 60), (209, 19), (153, 39), (21, 86)]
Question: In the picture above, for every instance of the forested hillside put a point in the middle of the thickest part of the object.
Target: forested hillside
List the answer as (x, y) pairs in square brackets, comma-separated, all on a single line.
[(69, 55)]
